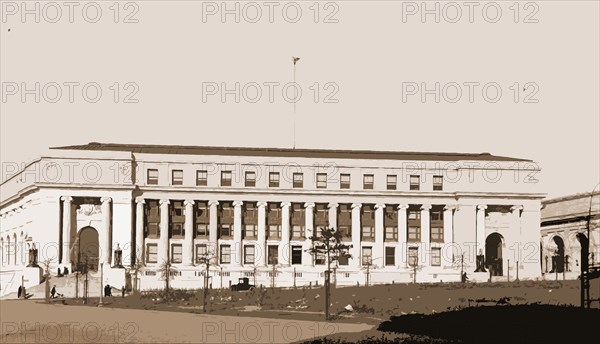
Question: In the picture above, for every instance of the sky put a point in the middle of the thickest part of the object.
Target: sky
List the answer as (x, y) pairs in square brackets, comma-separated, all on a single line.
[(516, 80)]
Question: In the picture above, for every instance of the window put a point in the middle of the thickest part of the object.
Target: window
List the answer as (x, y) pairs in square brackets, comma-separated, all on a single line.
[(274, 231), (151, 253), (392, 180), (390, 256), (201, 253), (345, 231), (436, 217), (436, 256), (176, 252), (201, 178), (320, 258), (368, 233), (177, 177), (438, 183), (391, 233), (437, 234), (321, 180), (298, 180), (344, 181), (413, 256), (367, 254), (273, 254), (415, 182), (296, 255), (177, 218), (414, 234), (250, 231), (225, 230), (225, 254), (368, 182), (250, 179), (273, 179), (249, 254), (152, 213), (297, 232), (152, 177), (225, 178), (343, 257), (202, 230)]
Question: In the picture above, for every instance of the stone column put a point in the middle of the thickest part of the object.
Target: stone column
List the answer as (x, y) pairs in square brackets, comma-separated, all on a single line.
[(480, 232), (378, 248), (513, 251), (188, 240), (260, 250), (236, 247), (307, 258), (213, 228), (401, 250), (333, 215), (163, 243), (139, 230), (425, 235), (66, 231), (355, 250), (285, 234), (449, 235), (106, 248)]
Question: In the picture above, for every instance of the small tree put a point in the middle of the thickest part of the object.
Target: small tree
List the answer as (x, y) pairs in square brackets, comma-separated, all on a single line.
[(46, 266), (167, 272), (329, 244), (135, 270), (207, 260)]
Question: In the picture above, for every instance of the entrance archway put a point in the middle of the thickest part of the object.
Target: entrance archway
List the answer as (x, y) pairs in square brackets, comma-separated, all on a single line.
[(558, 257), (89, 247), (493, 253)]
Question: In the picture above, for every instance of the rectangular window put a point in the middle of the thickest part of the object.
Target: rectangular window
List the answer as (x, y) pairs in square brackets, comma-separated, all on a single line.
[(151, 253), (344, 181), (415, 182), (436, 256), (345, 231), (176, 252), (344, 256), (297, 232), (391, 233), (390, 254), (201, 253), (225, 178), (152, 177), (414, 215), (250, 179), (273, 179), (414, 234), (367, 254), (177, 219), (250, 231), (249, 254), (392, 180), (321, 180), (177, 177), (201, 178), (368, 233), (225, 254), (273, 254), (438, 183), (368, 181), (437, 234), (298, 180), (296, 255), (413, 256), (320, 258), (225, 230), (202, 230), (274, 231), (152, 213)]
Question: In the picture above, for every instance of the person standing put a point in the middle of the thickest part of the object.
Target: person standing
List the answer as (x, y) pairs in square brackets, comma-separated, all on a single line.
[(19, 292), (53, 292)]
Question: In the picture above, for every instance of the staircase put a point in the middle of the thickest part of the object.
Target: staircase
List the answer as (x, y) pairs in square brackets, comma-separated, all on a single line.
[(65, 285)]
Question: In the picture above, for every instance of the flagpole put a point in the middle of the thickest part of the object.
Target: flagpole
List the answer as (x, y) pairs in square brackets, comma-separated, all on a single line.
[(295, 97)]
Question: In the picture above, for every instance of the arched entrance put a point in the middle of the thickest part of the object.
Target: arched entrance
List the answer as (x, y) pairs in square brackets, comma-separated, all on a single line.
[(89, 248), (493, 253), (558, 256)]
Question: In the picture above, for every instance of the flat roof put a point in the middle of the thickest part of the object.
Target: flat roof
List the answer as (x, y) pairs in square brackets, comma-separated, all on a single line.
[(286, 152)]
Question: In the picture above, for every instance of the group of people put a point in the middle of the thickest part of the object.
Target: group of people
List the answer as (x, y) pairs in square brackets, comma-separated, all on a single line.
[(108, 290), (65, 272)]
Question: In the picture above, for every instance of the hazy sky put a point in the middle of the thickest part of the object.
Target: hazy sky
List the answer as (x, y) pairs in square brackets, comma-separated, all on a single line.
[(373, 57)]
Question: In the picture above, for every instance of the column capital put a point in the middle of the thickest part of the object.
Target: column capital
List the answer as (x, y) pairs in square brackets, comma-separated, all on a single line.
[(105, 199), (261, 204), (189, 202), (285, 204), (238, 203), (379, 206), (402, 206), (516, 208), (140, 201), (482, 207), (332, 205), (213, 203), (425, 206), (164, 201), (309, 205), (450, 207), (356, 205), (66, 199)]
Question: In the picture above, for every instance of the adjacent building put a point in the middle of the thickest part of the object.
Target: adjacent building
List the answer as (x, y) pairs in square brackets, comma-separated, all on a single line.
[(406, 216)]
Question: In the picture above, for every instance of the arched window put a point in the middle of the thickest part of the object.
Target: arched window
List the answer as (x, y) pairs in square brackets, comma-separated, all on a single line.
[(7, 250), (2, 251), (15, 244)]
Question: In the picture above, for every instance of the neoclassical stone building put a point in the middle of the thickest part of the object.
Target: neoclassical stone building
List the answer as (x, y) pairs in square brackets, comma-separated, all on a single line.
[(421, 217), (563, 218)]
